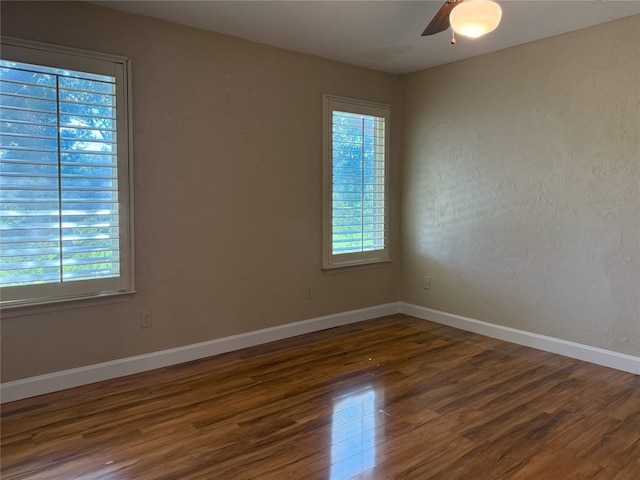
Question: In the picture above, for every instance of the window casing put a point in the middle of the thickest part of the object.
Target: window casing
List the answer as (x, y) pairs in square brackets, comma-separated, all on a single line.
[(355, 182), (65, 174)]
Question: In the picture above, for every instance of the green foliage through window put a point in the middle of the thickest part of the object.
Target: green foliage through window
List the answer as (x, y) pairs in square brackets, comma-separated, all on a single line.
[(358, 183), (59, 218)]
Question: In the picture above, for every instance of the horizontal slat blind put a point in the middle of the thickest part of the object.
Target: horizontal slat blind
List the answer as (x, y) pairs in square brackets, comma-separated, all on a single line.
[(358, 182), (59, 218)]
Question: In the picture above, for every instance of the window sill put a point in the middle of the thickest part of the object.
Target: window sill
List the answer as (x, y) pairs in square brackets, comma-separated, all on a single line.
[(357, 265), (47, 306)]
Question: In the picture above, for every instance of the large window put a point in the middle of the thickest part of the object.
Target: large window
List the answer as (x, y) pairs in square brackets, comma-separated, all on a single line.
[(356, 145), (65, 226)]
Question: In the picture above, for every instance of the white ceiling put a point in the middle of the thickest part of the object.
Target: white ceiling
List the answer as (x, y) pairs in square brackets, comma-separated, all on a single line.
[(382, 35)]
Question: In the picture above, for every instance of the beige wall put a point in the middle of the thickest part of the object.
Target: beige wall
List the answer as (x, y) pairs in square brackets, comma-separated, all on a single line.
[(227, 152), (520, 178), (520, 193)]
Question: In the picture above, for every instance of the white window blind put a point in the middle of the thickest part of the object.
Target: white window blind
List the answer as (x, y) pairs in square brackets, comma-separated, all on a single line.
[(64, 176), (356, 146)]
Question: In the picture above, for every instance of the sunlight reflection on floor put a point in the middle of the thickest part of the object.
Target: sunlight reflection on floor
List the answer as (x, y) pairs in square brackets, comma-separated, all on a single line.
[(353, 433)]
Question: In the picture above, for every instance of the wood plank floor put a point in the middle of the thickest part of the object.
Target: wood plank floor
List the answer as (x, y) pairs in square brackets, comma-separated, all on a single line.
[(390, 398)]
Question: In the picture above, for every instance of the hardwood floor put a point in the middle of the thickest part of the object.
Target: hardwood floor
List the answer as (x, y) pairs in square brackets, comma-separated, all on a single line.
[(390, 398)]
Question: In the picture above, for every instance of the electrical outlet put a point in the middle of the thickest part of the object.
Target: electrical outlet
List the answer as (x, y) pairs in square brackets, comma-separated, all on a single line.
[(145, 319), (308, 292), (426, 283)]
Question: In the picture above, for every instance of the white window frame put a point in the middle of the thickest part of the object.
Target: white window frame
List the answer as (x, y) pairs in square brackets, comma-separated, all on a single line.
[(331, 103), (54, 56)]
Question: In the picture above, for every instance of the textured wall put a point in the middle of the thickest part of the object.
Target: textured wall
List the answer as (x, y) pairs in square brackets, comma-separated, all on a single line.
[(521, 184), (227, 158)]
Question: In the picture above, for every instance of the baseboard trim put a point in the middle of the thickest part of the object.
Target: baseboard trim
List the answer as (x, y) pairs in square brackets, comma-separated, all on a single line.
[(599, 356), (52, 382)]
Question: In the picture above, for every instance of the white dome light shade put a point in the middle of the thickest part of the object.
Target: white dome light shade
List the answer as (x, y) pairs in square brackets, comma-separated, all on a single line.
[(475, 18)]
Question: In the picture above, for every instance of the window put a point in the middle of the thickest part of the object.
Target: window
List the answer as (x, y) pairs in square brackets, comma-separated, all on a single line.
[(356, 145), (65, 212)]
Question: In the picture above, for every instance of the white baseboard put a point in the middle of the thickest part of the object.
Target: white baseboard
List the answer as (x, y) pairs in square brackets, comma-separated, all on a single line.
[(52, 382), (599, 356)]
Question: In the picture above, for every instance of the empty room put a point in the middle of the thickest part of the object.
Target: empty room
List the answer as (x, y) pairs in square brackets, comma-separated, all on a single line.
[(320, 240)]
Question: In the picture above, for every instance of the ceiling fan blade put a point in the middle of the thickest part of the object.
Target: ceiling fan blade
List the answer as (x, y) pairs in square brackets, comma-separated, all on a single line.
[(440, 22)]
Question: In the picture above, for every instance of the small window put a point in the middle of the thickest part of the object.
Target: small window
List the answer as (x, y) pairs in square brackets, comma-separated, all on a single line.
[(356, 146), (65, 199)]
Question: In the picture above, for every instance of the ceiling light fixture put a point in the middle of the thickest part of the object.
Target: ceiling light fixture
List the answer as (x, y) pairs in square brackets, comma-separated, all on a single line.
[(474, 18)]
